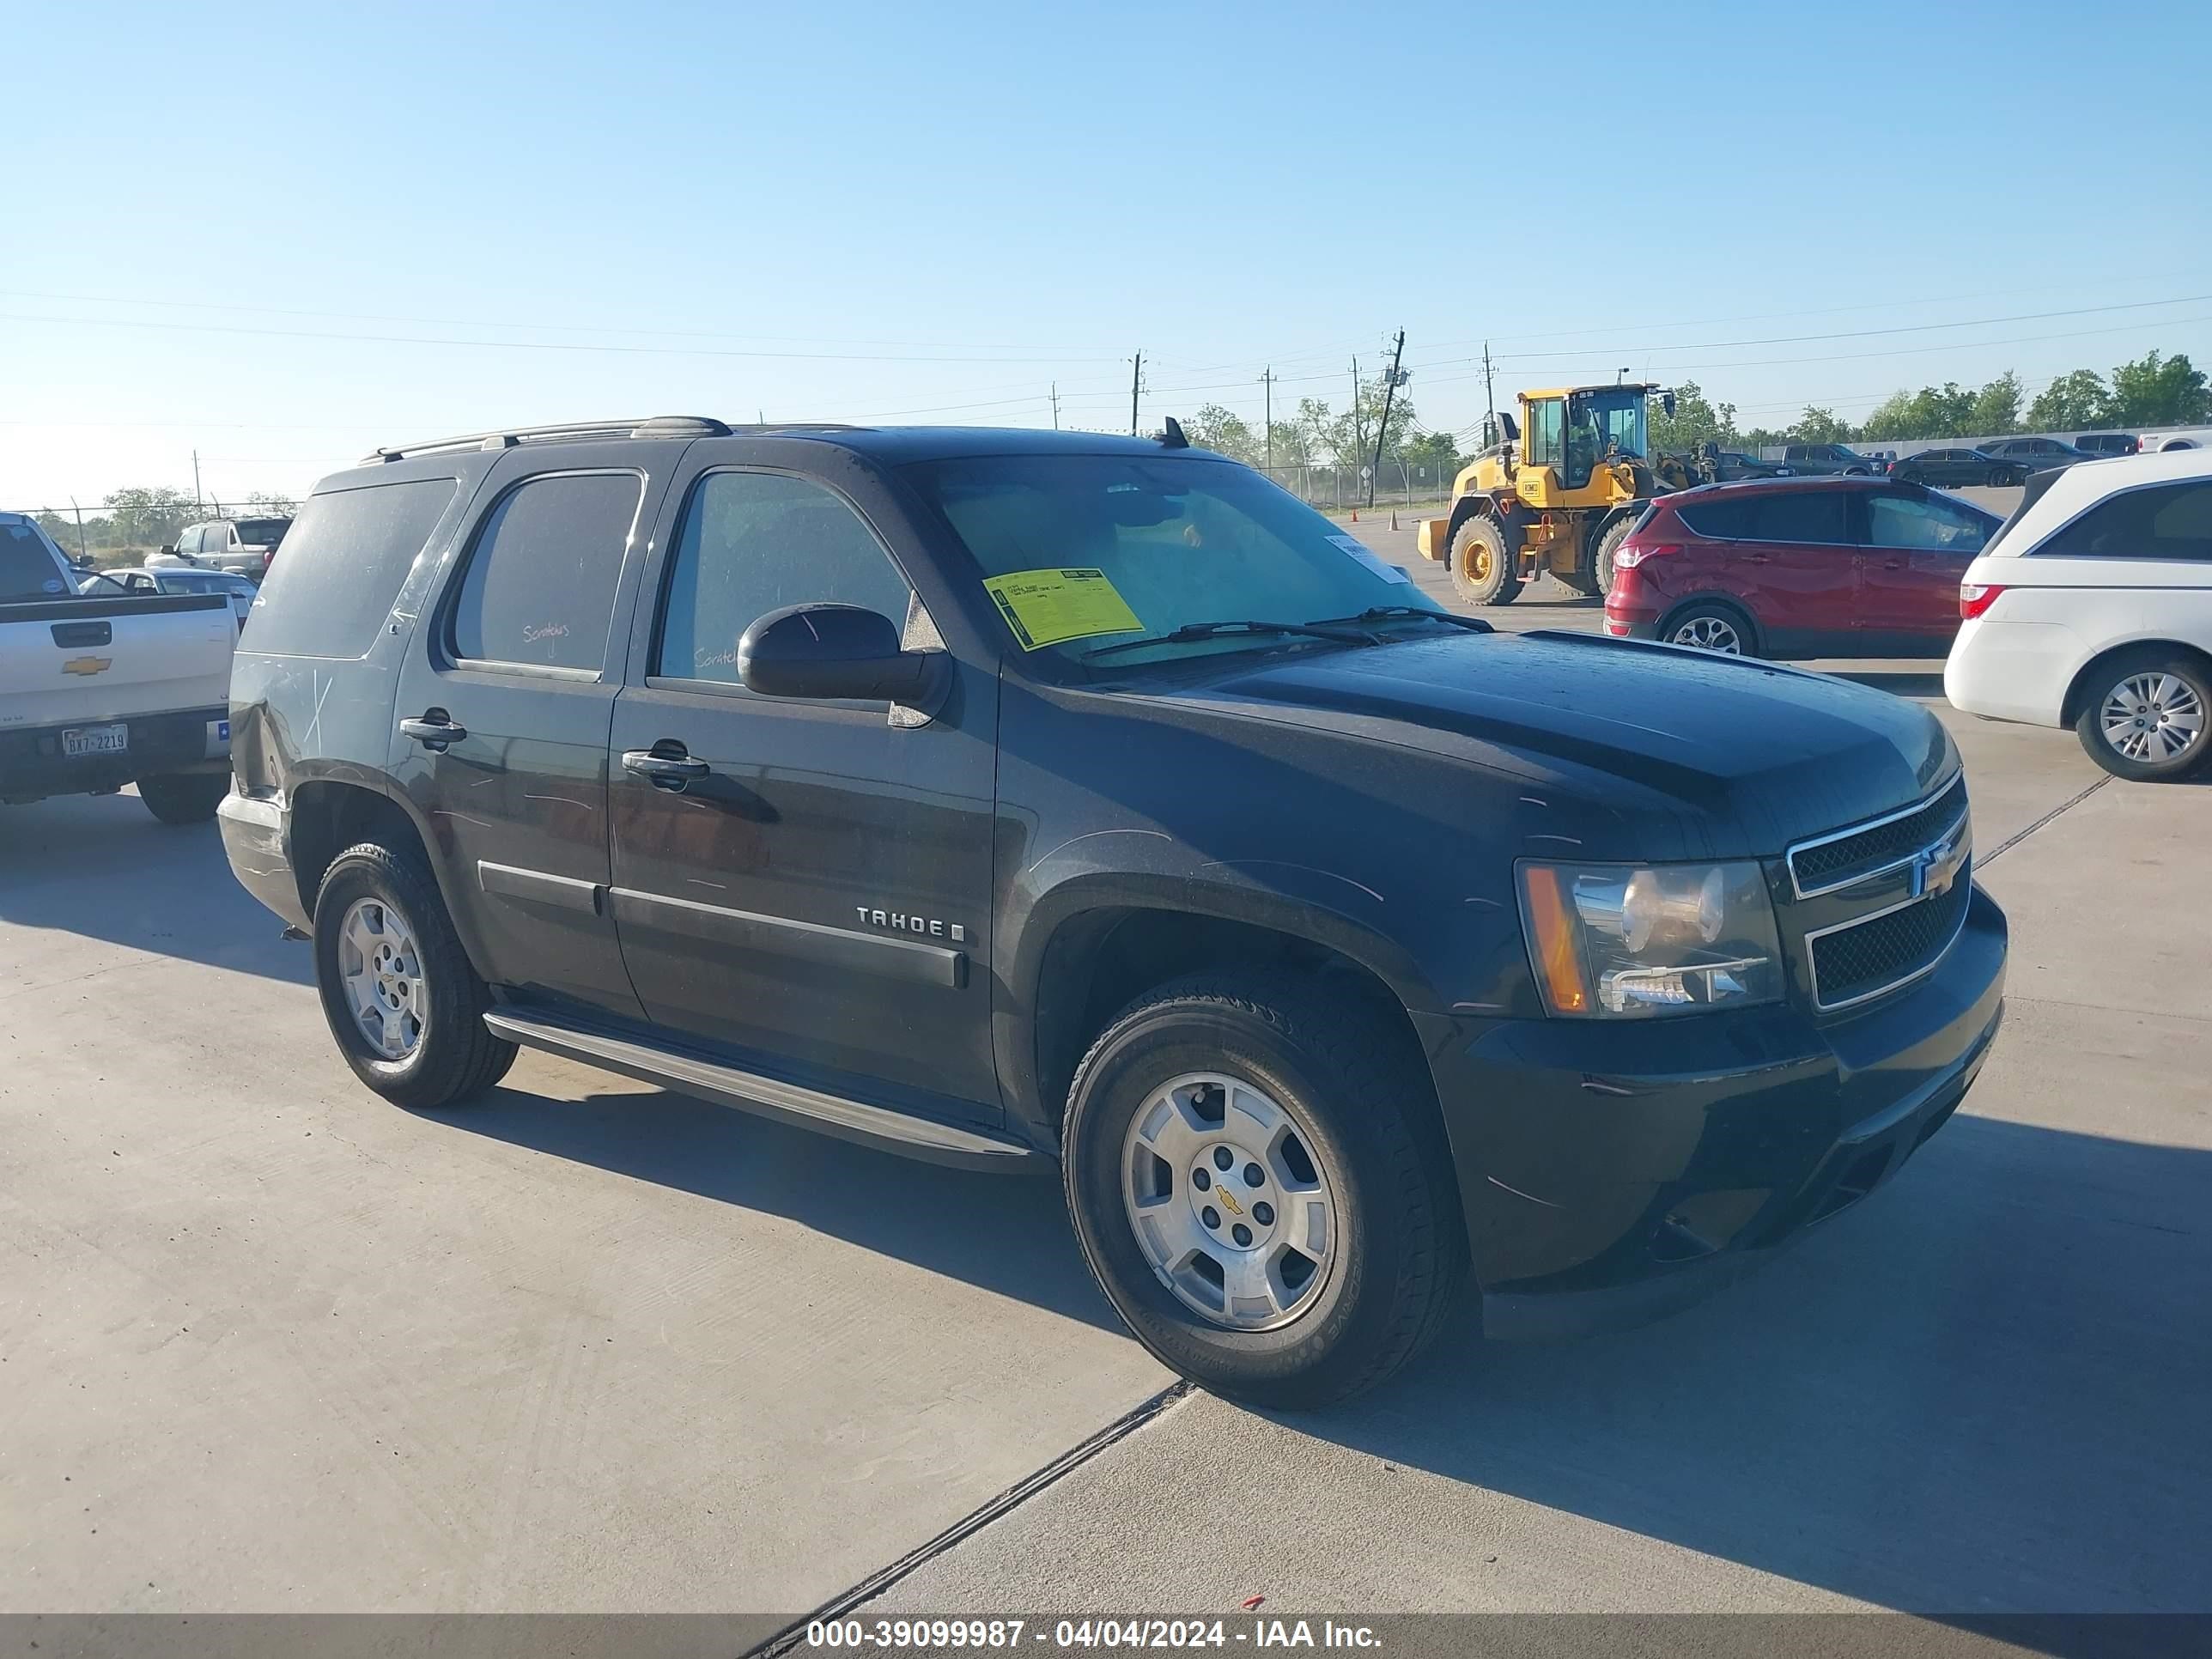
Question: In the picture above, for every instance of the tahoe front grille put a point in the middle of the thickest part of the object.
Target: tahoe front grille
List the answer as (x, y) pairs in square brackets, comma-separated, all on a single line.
[(1830, 863), (1861, 959)]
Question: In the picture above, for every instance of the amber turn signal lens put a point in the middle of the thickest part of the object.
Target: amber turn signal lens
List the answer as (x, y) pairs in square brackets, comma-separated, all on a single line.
[(1552, 935)]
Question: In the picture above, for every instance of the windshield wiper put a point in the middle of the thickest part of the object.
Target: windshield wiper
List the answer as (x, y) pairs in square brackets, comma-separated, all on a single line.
[(1208, 630), (1395, 612)]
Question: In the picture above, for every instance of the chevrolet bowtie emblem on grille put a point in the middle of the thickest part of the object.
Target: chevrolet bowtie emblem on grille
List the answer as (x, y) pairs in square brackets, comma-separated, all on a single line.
[(88, 664), (1936, 867)]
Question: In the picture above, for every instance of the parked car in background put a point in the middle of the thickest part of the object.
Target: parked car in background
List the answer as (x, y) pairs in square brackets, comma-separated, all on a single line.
[(1735, 465), (176, 579), (2158, 443), (1958, 466), (2035, 454), (242, 546), (1811, 460), (2108, 443), (1798, 567), (114, 687), (2093, 609)]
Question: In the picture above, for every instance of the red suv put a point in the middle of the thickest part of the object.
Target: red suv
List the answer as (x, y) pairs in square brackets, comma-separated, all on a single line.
[(1842, 567)]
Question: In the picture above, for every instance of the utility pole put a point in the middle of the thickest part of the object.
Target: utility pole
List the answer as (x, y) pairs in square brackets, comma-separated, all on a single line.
[(1056, 405), (1389, 391), (1358, 425), (196, 480), (1489, 396), (82, 551), (1136, 379), (1269, 381)]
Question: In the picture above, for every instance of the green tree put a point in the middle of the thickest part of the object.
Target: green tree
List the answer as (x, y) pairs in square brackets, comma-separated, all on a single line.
[(2073, 401), (1819, 426), (275, 506), (2157, 391), (148, 518), (1696, 420), (1224, 432), (1995, 410)]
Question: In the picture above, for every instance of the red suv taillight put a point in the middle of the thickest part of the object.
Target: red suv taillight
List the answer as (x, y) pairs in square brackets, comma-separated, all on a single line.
[(1974, 598), (1631, 552)]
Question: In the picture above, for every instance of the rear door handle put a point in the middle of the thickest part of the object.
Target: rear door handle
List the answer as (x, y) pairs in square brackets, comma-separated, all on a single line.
[(433, 731), (663, 770), (1759, 558), (1892, 564)]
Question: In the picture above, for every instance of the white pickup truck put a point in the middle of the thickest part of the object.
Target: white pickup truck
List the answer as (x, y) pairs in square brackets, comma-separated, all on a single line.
[(99, 691)]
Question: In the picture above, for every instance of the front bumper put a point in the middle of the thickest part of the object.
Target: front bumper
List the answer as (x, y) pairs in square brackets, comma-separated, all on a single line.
[(32, 763), (1611, 1173)]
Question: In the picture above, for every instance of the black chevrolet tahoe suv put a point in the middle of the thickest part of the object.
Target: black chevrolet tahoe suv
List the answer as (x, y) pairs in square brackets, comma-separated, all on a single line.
[(1015, 798)]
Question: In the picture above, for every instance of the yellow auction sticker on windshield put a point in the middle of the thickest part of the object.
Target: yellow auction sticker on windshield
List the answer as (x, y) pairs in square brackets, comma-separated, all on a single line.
[(1044, 607)]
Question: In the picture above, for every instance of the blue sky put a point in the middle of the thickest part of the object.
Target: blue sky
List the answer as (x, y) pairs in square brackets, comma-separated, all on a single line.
[(934, 212)]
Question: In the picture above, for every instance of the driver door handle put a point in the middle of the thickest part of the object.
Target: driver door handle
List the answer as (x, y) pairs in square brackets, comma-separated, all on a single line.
[(433, 731), (669, 769)]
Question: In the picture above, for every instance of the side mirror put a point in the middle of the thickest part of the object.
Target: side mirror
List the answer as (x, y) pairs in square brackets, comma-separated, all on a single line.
[(167, 547), (837, 651), (1512, 427), (1667, 402)]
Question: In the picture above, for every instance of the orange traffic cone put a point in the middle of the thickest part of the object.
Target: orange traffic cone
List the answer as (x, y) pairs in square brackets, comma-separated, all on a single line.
[(1355, 515)]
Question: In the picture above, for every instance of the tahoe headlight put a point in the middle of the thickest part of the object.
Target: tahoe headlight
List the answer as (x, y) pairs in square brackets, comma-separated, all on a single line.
[(1634, 940)]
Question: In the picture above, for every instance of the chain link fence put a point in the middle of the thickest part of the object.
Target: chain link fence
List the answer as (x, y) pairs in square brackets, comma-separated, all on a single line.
[(1398, 484)]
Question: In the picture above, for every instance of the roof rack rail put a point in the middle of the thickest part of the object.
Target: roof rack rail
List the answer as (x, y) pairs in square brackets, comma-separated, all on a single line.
[(658, 425)]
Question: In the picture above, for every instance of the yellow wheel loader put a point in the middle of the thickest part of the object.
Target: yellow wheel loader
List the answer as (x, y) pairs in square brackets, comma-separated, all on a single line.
[(1559, 491)]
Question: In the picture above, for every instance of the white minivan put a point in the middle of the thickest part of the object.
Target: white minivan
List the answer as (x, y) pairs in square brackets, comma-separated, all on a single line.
[(2092, 608)]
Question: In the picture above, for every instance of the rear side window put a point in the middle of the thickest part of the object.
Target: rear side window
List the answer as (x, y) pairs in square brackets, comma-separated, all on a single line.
[(756, 542), (539, 590), (343, 563), (27, 573), (2165, 521), (1815, 515), (1723, 521)]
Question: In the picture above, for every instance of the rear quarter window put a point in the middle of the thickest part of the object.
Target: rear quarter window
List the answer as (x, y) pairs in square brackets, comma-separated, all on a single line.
[(342, 564), (2163, 521), (1723, 521)]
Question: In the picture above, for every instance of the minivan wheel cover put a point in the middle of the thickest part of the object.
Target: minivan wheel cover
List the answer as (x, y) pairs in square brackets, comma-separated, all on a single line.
[(381, 969), (1229, 1201), (2153, 718), (1708, 634)]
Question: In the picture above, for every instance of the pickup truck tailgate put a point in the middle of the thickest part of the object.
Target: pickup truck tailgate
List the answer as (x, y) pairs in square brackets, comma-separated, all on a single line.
[(106, 658)]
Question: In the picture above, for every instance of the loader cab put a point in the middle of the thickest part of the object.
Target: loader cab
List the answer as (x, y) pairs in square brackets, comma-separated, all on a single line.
[(1574, 429)]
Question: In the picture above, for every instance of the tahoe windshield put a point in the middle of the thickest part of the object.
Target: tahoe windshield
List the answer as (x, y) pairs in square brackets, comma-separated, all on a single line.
[(1079, 552)]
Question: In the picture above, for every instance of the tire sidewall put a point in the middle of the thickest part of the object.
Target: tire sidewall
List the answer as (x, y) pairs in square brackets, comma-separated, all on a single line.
[(1172, 1039), (2089, 726)]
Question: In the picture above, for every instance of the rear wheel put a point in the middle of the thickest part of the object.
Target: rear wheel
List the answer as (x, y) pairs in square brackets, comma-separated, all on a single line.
[(183, 797), (399, 991), (1258, 1183), (1483, 571), (1710, 626), (2145, 715)]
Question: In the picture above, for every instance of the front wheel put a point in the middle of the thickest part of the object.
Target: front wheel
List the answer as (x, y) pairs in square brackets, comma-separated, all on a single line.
[(183, 798), (1608, 544), (399, 991), (1484, 571), (2145, 715), (1261, 1187)]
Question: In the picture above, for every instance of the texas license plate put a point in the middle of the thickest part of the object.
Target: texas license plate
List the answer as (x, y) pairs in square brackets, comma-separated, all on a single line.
[(97, 740)]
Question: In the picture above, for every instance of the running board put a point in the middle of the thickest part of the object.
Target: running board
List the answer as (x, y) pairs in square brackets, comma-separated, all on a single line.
[(751, 1091)]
